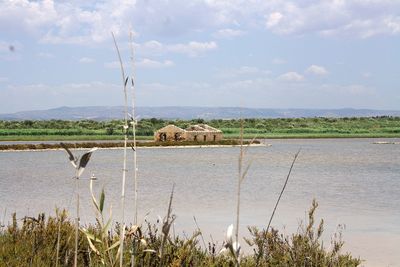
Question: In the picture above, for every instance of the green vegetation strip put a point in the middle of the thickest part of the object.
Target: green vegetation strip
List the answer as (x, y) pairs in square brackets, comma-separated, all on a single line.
[(230, 142), (28, 130)]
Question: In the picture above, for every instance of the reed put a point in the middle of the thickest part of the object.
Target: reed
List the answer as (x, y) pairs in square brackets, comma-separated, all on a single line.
[(134, 123), (166, 227), (233, 247), (124, 170)]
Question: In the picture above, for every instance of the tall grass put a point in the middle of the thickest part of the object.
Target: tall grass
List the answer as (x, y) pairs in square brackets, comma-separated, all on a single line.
[(124, 170), (134, 123)]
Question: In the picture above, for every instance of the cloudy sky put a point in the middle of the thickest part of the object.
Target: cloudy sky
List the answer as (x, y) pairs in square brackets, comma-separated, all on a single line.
[(249, 53)]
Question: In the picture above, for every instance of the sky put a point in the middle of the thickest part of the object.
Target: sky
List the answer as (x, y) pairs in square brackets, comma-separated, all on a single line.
[(243, 53)]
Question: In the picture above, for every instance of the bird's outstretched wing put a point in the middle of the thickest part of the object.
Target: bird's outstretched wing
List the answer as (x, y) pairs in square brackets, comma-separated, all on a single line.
[(85, 160), (72, 158)]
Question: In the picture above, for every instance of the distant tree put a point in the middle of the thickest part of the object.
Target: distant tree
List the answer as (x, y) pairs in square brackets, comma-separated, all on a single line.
[(110, 131)]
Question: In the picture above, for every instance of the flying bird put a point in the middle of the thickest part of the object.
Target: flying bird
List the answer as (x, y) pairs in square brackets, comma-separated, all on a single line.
[(84, 160)]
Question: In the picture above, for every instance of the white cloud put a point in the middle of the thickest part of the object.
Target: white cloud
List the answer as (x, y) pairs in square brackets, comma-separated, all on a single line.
[(90, 22), (193, 48), (243, 71), (317, 70), (273, 19), (332, 18), (144, 63), (153, 64), (228, 33), (24, 15), (153, 46), (3, 79), (86, 60), (291, 77), (393, 23)]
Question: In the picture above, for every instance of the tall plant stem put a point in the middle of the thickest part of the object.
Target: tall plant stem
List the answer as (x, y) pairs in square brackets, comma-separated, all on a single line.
[(135, 169), (240, 178), (76, 219), (283, 189), (58, 239), (124, 82)]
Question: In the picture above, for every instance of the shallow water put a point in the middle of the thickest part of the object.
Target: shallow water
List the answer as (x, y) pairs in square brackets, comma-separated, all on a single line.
[(356, 182)]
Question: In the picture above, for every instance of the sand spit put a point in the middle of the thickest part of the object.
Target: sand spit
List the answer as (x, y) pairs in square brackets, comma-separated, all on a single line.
[(104, 146), (386, 143)]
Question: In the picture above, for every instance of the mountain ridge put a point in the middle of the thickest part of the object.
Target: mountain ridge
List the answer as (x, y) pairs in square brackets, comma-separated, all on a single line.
[(189, 112)]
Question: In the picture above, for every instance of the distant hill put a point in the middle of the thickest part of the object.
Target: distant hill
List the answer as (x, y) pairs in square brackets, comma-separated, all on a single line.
[(108, 113)]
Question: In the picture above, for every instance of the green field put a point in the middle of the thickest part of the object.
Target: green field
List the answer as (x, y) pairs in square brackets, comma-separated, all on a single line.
[(28, 130)]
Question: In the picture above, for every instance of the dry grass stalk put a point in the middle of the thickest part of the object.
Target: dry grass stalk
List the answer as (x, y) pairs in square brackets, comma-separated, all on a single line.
[(133, 123), (124, 81), (168, 221), (283, 189), (234, 247)]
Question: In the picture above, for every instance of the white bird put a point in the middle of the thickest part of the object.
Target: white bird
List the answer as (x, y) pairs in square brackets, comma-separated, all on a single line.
[(229, 234), (236, 247)]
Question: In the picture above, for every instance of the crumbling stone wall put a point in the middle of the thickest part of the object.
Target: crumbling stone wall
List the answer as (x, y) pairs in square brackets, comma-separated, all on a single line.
[(172, 133)]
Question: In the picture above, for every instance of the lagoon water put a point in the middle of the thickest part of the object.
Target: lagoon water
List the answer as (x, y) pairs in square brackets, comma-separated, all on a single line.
[(356, 183)]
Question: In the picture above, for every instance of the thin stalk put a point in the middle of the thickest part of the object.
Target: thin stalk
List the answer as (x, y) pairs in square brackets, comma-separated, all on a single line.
[(134, 127), (135, 169), (77, 218), (240, 178), (201, 234), (124, 82), (166, 226), (283, 189), (58, 239)]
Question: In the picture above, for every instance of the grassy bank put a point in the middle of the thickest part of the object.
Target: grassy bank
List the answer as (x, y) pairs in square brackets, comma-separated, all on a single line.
[(261, 128), (67, 137)]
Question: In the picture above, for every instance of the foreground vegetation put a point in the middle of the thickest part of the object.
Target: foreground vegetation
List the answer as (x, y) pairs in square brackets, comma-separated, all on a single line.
[(384, 126), (49, 241)]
